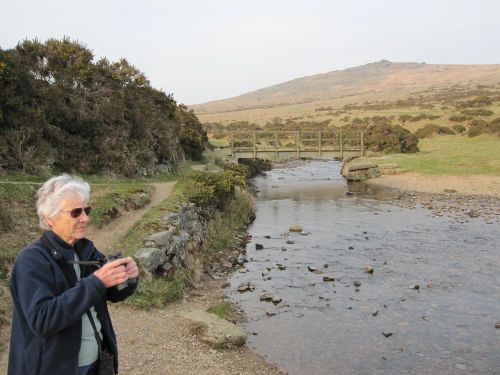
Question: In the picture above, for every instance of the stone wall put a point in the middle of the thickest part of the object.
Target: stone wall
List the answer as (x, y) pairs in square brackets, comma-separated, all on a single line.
[(167, 250)]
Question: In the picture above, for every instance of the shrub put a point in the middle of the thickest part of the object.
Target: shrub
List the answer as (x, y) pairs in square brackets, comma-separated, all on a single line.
[(212, 190), (478, 126), (241, 173), (480, 101), (478, 112), (457, 118), (431, 129), (256, 166), (459, 129), (388, 139)]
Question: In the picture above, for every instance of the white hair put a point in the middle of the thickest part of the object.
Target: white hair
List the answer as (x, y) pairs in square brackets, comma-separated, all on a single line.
[(50, 195)]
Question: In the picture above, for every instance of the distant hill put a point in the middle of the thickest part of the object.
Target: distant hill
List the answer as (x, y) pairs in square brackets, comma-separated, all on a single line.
[(379, 81)]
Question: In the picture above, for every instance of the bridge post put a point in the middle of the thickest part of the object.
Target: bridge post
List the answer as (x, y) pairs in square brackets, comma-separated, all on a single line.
[(341, 145), (231, 142), (255, 145), (362, 143), (297, 140), (276, 144), (319, 144)]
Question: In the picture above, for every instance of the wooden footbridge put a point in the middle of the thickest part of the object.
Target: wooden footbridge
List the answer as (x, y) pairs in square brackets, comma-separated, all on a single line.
[(295, 144)]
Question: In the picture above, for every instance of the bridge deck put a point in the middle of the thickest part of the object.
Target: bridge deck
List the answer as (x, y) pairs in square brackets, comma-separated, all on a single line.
[(266, 144)]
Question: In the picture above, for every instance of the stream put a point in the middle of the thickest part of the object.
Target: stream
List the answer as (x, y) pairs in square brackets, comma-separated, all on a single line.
[(429, 307)]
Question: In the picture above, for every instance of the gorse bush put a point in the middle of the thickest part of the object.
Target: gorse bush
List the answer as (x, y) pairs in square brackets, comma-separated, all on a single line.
[(432, 129), (478, 112), (387, 138), (479, 126), (477, 102), (458, 118), (255, 166), (213, 190), (60, 109)]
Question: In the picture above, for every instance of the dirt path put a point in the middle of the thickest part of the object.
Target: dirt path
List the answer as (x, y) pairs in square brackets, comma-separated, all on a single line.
[(106, 239), (160, 341)]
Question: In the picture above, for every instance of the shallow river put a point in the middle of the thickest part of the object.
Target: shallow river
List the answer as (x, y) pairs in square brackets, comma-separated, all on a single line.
[(446, 326)]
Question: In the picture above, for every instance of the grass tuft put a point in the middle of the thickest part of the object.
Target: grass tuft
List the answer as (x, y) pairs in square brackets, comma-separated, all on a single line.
[(224, 310)]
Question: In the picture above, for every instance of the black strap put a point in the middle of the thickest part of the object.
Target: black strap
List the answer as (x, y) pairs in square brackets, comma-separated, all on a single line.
[(59, 257), (96, 334)]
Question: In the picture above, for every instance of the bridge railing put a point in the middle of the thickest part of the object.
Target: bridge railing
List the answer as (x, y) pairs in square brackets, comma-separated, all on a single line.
[(298, 142)]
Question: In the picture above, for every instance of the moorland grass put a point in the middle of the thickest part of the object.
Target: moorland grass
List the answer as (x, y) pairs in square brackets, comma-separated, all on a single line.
[(451, 155)]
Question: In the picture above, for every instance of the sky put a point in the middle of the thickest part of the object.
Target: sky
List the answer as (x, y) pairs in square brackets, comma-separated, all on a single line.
[(204, 50)]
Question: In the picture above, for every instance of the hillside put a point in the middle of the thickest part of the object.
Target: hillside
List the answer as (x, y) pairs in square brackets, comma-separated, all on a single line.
[(375, 82)]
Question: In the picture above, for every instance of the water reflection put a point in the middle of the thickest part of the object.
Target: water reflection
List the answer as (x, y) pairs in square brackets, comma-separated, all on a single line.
[(446, 326)]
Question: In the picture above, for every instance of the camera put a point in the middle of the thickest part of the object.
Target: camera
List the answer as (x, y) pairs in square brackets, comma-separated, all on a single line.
[(127, 283)]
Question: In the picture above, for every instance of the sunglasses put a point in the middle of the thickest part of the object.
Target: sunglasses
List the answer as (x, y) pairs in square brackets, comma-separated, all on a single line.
[(76, 212)]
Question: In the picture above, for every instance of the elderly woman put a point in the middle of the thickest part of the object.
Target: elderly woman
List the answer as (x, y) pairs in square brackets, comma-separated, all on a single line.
[(60, 285)]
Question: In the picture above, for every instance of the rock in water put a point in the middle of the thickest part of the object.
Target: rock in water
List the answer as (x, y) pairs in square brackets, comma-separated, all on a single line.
[(259, 246), (295, 228), (369, 269), (266, 297), (246, 286), (277, 300), (328, 278)]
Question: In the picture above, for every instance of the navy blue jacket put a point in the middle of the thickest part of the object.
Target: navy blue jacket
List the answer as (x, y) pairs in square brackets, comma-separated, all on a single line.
[(49, 304)]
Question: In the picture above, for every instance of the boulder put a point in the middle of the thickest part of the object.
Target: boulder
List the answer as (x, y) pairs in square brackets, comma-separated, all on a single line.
[(359, 171), (171, 218), (361, 166), (150, 258), (215, 331), (160, 239)]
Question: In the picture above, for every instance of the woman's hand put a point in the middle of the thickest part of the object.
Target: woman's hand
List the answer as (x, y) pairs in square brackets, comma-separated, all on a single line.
[(131, 268), (115, 272)]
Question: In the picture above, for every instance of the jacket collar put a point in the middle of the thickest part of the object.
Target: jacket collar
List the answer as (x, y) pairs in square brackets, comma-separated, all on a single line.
[(83, 247)]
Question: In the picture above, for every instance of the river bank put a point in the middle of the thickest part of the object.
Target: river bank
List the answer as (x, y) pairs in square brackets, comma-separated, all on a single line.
[(462, 197)]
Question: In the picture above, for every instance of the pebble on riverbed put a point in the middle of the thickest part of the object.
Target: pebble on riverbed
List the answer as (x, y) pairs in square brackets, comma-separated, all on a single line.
[(246, 286)]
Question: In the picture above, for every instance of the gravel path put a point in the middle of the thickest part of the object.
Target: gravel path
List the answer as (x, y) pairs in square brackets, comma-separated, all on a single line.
[(161, 342)]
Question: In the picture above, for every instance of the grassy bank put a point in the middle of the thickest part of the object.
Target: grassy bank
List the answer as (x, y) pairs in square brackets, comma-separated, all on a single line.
[(450, 155), (221, 229)]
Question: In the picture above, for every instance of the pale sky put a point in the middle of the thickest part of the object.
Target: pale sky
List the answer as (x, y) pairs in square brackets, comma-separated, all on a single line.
[(203, 50)]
